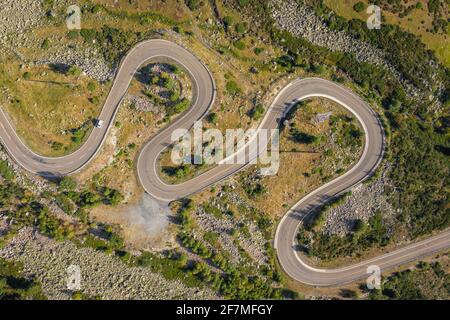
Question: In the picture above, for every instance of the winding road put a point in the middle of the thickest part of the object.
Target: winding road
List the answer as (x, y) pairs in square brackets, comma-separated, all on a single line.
[(203, 98)]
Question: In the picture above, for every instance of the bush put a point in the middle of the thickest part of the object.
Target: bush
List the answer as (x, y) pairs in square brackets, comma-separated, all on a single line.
[(257, 112), (73, 34), (360, 226), (111, 196), (74, 71), (5, 171), (416, 284), (213, 118), (88, 34), (96, 8), (227, 22), (359, 6), (79, 133), (194, 4), (258, 51), (179, 107), (55, 145), (240, 28), (91, 86), (302, 137), (67, 183), (45, 44), (233, 88), (94, 100), (239, 44), (65, 203)]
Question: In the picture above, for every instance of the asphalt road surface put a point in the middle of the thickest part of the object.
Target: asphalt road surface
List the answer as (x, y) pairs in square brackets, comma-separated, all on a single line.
[(203, 98)]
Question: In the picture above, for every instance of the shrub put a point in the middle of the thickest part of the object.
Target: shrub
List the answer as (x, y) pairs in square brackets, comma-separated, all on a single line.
[(320, 217), (45, 44), (74, 71), (240, 28), (227, 22), (179, 107), (239, 44), (67, 183), (91, 86), (257, 112), (73, 34), (194, 4), (96, 9), (233, 88), (15, 286), (94, 100), (55, 145), (302, 137), (5, 171), (258, 51), (111, 196), (213, 118), (88, 34), (359, 6)]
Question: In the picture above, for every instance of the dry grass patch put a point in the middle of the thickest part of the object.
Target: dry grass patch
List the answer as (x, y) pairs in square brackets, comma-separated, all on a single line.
[(48, 108)]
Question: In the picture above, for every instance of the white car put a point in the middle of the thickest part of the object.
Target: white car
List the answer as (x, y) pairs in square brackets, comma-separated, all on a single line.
[(99, 123)]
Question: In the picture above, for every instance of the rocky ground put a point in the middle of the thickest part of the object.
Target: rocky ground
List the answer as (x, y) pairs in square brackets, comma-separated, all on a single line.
[(18, 21), (88, 59), (301, 21), (253, 242), (142, 103), (4, 226), (101, 275), (16, 18), (363, 203)]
